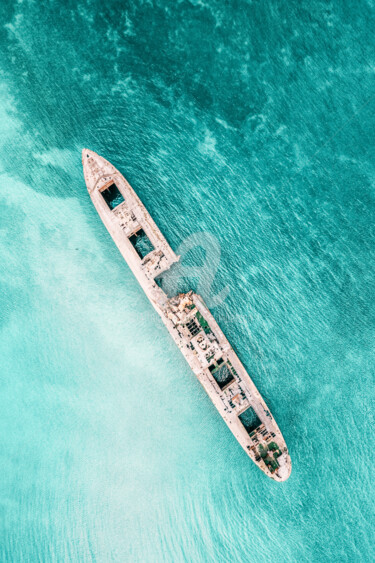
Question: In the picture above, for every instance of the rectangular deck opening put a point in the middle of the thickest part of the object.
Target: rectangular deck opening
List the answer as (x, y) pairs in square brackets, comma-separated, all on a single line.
[(193, 327), (112, 196), (141, 243), (250, 420), (222, 374)]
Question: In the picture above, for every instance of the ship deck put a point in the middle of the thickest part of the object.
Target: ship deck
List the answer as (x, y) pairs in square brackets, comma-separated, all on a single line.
[(187, 318)]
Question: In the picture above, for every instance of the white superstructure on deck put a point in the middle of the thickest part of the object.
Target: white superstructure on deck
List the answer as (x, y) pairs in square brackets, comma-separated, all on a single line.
[(187, 318)]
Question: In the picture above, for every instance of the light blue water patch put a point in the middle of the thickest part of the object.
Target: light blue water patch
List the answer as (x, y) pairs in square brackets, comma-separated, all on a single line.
[(248, 122)]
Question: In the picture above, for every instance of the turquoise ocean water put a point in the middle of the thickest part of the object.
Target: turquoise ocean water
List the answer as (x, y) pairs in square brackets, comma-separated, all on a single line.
[(252, 122)]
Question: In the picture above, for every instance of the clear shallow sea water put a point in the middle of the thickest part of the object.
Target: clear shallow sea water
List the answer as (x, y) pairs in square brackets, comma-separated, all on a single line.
[(250, 121)]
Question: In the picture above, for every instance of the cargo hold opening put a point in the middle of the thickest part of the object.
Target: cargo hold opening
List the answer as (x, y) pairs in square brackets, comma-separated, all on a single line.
[(249, 419), (112, 196), (222, 374), (141, 243)]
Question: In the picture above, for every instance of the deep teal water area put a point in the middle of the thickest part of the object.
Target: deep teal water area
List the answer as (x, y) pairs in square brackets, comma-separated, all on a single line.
[(252, 122)]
